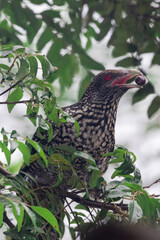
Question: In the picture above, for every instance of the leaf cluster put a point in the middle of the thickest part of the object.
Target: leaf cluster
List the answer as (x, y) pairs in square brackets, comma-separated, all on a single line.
[(69, 28)]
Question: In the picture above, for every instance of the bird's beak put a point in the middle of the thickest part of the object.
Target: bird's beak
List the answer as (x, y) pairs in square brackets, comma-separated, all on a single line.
[(128, 75)]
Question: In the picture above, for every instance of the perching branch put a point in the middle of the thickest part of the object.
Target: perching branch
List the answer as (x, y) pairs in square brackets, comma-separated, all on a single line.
[(15, 84), (95, 204)]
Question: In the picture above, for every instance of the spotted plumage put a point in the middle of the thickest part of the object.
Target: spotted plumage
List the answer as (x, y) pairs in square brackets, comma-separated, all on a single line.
[(96, 114)]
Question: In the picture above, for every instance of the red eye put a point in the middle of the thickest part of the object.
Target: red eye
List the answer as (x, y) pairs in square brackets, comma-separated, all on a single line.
[(108, 77)]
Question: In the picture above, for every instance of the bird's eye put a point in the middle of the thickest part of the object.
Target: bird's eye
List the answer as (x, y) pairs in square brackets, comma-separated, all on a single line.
[(108, 77)]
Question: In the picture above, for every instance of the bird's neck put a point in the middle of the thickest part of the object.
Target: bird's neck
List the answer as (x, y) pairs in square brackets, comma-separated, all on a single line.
[(102, 106)]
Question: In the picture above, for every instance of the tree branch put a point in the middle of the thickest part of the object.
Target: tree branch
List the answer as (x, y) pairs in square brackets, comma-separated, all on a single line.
[(158, 180), (23, 101), (95, 204), (15, 84)]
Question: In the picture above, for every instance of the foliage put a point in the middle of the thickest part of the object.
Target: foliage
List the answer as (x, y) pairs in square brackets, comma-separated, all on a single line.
[(26, 76), (66, 25)]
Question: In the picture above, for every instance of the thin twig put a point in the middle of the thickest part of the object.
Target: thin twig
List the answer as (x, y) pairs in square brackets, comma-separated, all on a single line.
[(158, 180), (4, 172), (91, 214), (12, 65), (44, 226), (15, 84), (23, 101), (75, 217)]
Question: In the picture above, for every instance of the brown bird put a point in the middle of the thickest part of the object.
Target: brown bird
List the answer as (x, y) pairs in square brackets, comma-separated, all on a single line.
[(96, 114)]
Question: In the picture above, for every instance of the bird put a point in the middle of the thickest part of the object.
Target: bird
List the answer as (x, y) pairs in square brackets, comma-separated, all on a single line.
[(96, 115)]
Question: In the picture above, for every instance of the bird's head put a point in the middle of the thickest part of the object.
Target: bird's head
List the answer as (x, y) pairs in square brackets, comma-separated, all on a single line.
[(114, 82), (120, 78)]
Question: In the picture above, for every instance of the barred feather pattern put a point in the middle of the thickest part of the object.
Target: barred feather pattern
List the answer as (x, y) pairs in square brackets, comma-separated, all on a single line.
[(96, 119), (96, 114)]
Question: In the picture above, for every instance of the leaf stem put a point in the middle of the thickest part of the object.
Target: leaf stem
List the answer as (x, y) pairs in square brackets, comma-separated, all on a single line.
[(12, 65)]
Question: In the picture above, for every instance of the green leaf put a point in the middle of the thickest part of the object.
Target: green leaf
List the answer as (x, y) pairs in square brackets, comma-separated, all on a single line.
[(135, 212), (23, 70), (1, 213), (15, 96), (66, 148), (59, 2), (32, 113), (72, 232), (50, 131), (93, 180), (133, 186), (48, 216), (14, 168), (143, 93), (5, 140), (112, 184), (154, 107), (156, 59), (81, 206), (38, 2), (119, 51), (146, 204), (57, 158), (31, 28), (45, 65), (137, 175), (33, 66), (18, 49), (116, 193), (25, 151), (85, 156), (84, 84), (76, 124), (3, 132), (18, 212), (14, 134), (13, 145), (126, 167), (89, 62), (31, 215), (45, 37), (66, 76), (6, 152), (4, 66), (20, 218), (128, 62), (39, 150)]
